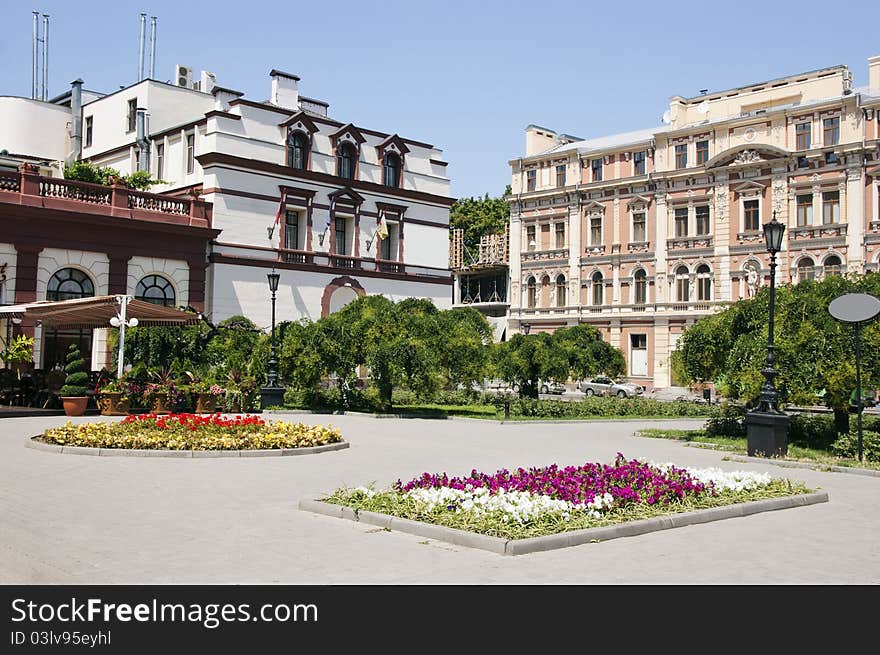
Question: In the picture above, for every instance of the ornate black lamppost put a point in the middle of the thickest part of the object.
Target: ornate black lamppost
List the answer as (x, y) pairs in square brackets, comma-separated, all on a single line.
[(525, 328), (273, 393), (766, 425)]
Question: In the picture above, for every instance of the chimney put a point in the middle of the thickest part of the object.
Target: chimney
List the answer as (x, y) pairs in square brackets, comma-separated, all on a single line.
[(284, 90), (223, 96), (539, 139), (874, 72), (143, 144), (75, 121)]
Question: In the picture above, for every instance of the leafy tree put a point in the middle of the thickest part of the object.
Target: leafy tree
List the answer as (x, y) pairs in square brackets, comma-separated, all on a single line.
[(524, 360), (300, 361), (587, 353), (479, 216), (814, 353), (464, 341), (77, 377)]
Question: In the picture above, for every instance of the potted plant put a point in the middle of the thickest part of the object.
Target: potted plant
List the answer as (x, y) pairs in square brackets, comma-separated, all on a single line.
[(207, 397), (20, 351), (114, 399), (73, 393), (241, 391), (158, 393)]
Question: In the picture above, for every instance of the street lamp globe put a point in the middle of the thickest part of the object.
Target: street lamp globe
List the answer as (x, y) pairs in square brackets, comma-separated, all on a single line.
[(773, 232), (273, 281)]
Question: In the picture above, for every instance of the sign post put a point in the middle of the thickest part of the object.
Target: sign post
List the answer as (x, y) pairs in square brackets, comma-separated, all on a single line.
[(856, 308)]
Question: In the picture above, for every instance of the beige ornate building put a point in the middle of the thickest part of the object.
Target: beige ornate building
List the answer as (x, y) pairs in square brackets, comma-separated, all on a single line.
[(642, 233)]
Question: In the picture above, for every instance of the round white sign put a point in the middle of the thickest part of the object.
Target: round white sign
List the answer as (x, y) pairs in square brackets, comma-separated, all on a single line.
[(854, 307)]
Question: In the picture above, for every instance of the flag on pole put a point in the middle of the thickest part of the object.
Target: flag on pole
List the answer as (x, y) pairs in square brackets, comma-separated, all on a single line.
[(330, 212), (281, 206), (382, 228)]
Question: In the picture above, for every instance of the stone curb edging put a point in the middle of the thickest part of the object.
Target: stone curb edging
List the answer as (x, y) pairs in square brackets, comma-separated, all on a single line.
[(563, 539), (852, 470), (597, 419), (185, 454)]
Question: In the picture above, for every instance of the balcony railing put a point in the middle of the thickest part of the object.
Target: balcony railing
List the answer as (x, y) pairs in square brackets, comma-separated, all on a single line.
[(623, 309), (544, 255), (828, 230), (27, 187), (685, 243), (344, 261)]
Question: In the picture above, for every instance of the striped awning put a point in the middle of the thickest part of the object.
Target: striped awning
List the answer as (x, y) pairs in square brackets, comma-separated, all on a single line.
[(95, 312)]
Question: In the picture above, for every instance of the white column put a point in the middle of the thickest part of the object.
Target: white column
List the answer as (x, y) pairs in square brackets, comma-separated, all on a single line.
[(855, 219), (661, 222)]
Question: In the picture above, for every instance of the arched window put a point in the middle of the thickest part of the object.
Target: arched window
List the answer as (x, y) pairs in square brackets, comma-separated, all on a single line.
[(641, 284), (345, 160), (806, 269), (69, 283), (704, 283), (682, 284), (155, 289), (560, 291), (598, 288), (531, 294), (297, 150), (392, 169), (832, 265)]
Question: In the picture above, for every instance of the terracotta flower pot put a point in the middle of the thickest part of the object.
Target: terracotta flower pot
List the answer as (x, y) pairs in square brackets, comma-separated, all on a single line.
[(161, 404), (75, 405), (113, 404), (206, 403)]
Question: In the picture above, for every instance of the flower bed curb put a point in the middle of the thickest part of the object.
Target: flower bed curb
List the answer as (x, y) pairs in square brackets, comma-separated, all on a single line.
[(34, 443), (806, 465), (563, 539)]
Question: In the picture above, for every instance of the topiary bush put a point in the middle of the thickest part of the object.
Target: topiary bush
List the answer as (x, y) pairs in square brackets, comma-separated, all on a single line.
[(77, 377)]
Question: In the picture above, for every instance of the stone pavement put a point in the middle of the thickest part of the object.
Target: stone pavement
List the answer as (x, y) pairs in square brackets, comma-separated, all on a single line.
[(97, 520)]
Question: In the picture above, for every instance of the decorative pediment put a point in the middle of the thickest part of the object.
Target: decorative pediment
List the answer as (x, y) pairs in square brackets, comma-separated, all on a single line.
[(347, 133), (300, 121), (347, 194), (594, 207), (749, 187), (392, 144), (754, 153), (874, 172), (638, 201)]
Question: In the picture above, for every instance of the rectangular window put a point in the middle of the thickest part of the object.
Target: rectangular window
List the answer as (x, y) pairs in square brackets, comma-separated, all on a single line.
[(339, 236), (751, 220), (702, 152), (89, 131), (160, 160), (830, 207), (831, 135), (681, 222), (803, 136), (703, 219), (132, 114), (291, 230), (530, 238), (385, 246), (531, 180), (640, 231), (595, 231), (596, 168), (805, 209), (560, 175), (681, 155), (639, 162), (190, 153), (560, 235)]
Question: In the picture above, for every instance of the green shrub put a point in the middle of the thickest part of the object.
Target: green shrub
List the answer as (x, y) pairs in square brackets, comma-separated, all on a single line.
[(606, 407), (77, 377), (848, 445), (729, 422), (812, 431)]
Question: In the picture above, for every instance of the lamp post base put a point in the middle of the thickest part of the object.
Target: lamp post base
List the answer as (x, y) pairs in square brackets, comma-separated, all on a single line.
[(271, 396), (767, 434)]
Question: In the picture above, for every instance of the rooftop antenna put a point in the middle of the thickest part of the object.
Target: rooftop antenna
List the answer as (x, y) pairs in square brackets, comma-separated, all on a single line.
[(704, 91), (140, 74)]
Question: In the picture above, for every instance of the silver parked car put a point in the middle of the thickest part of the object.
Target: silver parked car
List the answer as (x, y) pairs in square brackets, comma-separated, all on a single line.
[(551, 386), (605, 386)]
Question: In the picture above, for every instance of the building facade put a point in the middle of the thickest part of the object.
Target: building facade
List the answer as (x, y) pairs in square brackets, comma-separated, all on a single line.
[(248, 187), (642, 233)]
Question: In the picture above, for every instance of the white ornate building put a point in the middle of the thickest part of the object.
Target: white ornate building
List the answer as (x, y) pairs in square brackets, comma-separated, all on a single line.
[(642, 233)]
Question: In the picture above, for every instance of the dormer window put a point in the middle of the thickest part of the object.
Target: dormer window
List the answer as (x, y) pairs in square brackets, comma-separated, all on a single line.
[(346, 157), (391, 169), (297, 150)]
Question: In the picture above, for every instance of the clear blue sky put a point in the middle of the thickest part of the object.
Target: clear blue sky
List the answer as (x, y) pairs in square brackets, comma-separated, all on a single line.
[(465, 76)]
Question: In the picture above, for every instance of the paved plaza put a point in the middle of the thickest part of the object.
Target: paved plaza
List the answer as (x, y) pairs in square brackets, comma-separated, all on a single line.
[(95, 520)]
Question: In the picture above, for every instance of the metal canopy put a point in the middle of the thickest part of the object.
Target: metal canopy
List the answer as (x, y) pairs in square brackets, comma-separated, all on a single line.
[(95, 312)]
